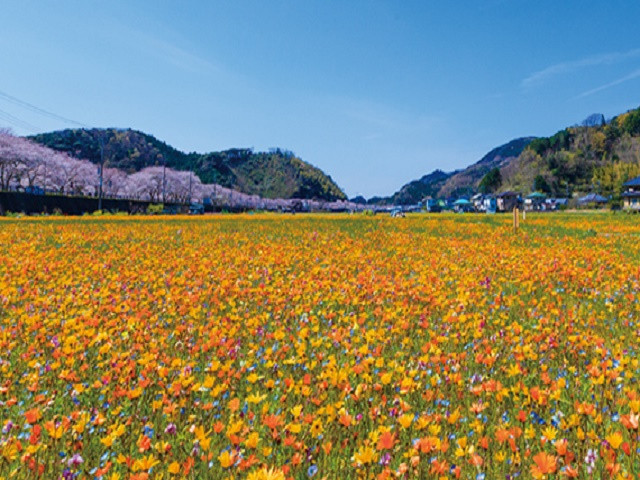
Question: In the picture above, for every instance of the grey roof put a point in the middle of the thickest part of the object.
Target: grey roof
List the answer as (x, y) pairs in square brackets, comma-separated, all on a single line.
[(634, 182), (592, 198)]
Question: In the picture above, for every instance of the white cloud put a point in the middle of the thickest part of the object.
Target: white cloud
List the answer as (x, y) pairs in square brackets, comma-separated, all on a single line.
[(546, 74), (633, 75)]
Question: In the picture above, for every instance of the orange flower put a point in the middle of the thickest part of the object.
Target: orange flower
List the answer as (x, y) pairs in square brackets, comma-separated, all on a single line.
[(630, 421), (570, 472), (544, 464), (32, 416), (144, 443), (561, 446), (386, 441), (345, 420), (476, 460)]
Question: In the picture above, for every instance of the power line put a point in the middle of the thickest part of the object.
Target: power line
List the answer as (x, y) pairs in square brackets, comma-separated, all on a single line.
[(42, 111), (17, 122)]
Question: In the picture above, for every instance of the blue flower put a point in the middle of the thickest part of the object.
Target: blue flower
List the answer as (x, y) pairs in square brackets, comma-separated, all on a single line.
[(312, 470)]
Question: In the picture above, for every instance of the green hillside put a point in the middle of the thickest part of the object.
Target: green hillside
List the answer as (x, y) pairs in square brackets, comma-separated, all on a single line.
[(439, 184), (467, 181), (274, 174), (427, 186), (580, 159), (596, 156)]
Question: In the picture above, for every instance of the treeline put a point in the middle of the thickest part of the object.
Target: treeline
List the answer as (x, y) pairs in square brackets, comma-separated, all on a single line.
[(273, 174), (28, 167)]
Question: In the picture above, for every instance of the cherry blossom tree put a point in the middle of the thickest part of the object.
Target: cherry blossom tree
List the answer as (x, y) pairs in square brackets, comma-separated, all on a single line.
[(24, 163)]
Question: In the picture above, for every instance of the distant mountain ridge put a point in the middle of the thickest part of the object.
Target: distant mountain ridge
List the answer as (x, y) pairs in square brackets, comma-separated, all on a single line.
[(594, 156), (439, 184), (274, 174)]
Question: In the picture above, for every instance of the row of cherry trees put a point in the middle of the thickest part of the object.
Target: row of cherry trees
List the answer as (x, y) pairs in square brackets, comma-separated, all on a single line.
[(24, 164)]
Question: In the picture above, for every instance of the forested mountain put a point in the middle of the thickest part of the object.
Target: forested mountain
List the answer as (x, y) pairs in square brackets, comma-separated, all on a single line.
[(427, 186), (439, 184), (274, 174), (467, 181), (593, 157)]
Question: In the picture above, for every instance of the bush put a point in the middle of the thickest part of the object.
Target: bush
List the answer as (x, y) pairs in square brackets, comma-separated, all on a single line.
[(155, 208)]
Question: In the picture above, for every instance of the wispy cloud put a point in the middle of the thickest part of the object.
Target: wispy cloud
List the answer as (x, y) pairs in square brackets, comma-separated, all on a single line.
[(563, 68), (633, 75), (171, 53), (385, 117), (168, 48)]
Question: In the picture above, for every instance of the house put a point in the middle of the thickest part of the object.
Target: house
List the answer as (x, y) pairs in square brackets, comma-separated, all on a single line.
[(631, 195), (507, 201), (397, 212), (462, 205), (489, 204), (432, 205), (592, 200), (554, 204), (535, 201), (477, 201)]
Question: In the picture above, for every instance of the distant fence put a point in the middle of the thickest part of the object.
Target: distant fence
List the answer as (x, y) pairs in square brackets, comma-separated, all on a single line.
[(30, 203)]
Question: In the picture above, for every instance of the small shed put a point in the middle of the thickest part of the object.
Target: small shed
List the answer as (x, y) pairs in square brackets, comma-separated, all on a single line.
[(506, 201)]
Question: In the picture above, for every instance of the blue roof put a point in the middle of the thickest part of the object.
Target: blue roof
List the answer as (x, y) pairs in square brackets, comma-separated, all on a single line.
[(536, 195), (634, 182)]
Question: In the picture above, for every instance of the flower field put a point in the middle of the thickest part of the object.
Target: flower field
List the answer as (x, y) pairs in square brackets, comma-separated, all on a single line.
[(338, 347)]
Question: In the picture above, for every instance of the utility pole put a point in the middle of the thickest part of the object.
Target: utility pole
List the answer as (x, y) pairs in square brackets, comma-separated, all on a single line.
[(100, 170), (190, 177), (164, 180)]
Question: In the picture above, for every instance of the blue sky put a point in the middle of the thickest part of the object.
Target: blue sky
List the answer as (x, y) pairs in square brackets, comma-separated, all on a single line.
[(376, 93)]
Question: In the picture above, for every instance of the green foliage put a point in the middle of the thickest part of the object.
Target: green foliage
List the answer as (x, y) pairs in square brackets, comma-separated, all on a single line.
[(155, 208), (491, 181), (561, 140), (630, 122), (539, 145), (540, 184), (610, 178), (580, 159)]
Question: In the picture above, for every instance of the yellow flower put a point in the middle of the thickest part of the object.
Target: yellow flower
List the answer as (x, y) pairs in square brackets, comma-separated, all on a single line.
[(405, 420), (145, 463), (174, 468), (614, 439), (226, 459), (365, 455), (264, 474), (550, 433), (316, 428), (296, 411), (252, 440)]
